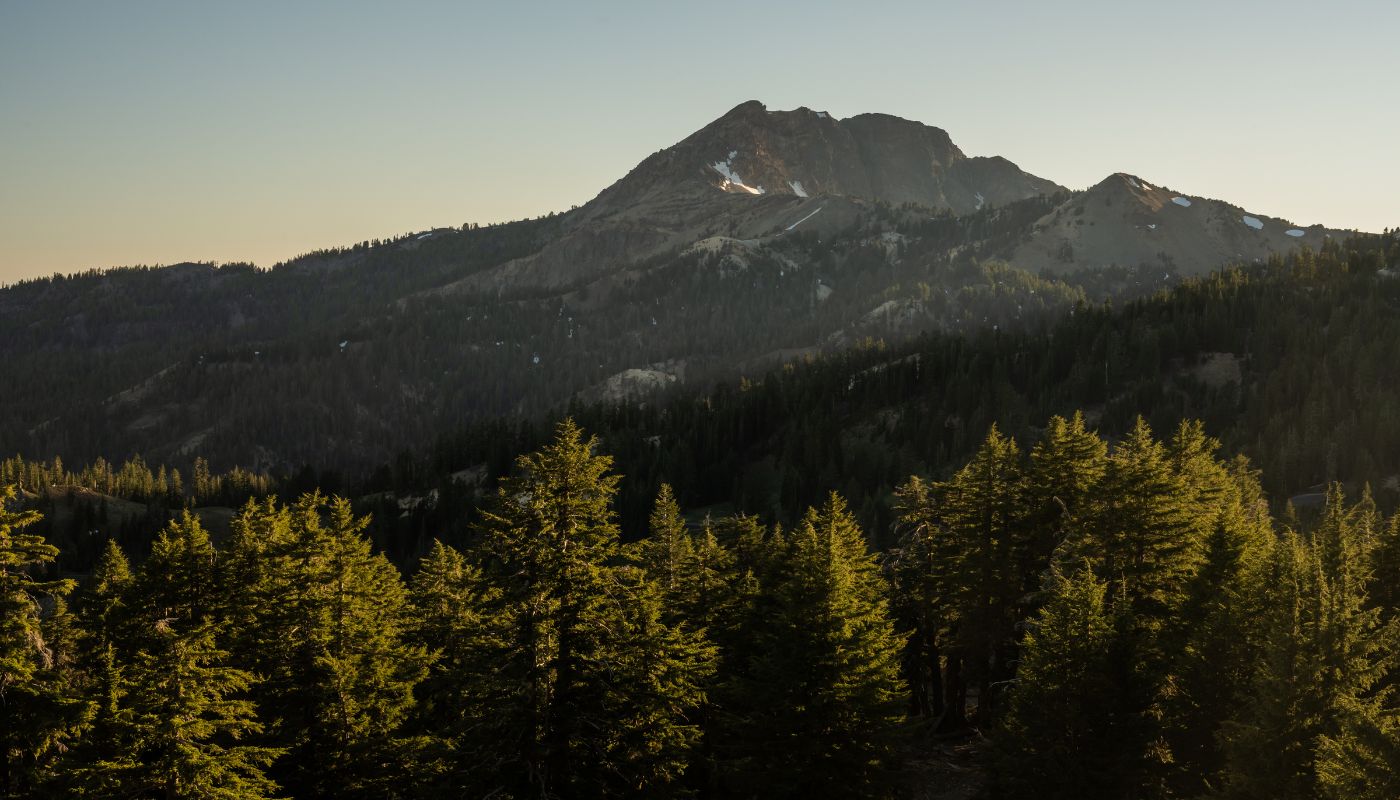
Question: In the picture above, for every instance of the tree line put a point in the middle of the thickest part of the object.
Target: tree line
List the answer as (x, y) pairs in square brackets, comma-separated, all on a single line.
[(1120, 619)]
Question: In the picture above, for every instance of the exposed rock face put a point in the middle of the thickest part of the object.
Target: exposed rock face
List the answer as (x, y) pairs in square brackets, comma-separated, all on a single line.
[(753, 172), (805, 152), (629, 384), (1128, 222)]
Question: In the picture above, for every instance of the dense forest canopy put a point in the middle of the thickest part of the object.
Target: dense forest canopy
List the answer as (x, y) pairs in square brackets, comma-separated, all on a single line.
[(1121, 619)]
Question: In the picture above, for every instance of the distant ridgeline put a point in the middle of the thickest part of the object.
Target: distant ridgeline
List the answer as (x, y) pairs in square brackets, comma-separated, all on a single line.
[(135, 481), (129, 503), (1290, 363)]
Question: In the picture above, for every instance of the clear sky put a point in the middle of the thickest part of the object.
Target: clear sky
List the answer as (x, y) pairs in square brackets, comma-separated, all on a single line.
[(157, 132)]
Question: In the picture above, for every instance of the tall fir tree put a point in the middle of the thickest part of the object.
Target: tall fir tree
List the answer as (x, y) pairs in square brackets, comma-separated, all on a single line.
[(180, 722), (325, 624), (1318, 699), (35, 700), (1385, 572), (918, 583), (981, 513), (1066, 466), (109, 646), (822, 695), (452, 618), (564, 724), (667, 550), (1218, 636), (1140, 532), (1145, 539), (1059, 738), (180, 578)]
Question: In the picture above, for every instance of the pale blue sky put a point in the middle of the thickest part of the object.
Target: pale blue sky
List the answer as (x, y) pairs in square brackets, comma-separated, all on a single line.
[(157, 132)]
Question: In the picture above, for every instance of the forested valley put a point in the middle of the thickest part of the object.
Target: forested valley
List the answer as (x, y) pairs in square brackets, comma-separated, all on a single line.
[(1148, 551)]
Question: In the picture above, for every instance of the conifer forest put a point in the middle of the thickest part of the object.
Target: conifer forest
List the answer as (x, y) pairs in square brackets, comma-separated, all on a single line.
[(822, 587)]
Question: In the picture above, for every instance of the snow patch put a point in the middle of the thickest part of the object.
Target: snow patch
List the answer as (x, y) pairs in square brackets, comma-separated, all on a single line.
[(1253, 222), (980, 201), (1134, 183), (1294, 232), (731, 178), (804, 219), (797, 188), (425, 235), (823, 115), (1152, 226), (1181, 201)]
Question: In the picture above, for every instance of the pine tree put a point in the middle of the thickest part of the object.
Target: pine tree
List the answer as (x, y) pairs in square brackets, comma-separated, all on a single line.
[(171, 710), (1144, 535), (180, 578), (1318, 699), (552, 549), (822, 693), (325, 624), (667, 550), (712, 592), (918, 581), (36, 705), (104, 598), (1269, 743), (1059, 737), (1359, 757), (1140, 531), (1066, 466), (1361, 760), (981, 512), (649, 684), (720, 597), (452, 619), (109, 647), (180, 721), (1385, 573), (1219, 636)]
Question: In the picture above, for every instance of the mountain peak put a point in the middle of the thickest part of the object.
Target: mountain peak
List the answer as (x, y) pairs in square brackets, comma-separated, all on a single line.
[(753, 171), (746, 108), (751, 151), (1126, 221)]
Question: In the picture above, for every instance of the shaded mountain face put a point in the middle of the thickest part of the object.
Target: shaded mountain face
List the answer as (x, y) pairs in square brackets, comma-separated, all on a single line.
[(765, 236), (1127, 221), (753, 151), (755, 172)]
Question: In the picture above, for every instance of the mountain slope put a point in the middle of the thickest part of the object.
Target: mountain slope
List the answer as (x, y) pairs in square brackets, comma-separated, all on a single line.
[(754, 172), (682, 271), (1127, 221)]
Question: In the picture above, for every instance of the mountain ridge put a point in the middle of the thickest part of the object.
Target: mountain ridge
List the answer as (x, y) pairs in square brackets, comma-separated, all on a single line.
[(675, 273)]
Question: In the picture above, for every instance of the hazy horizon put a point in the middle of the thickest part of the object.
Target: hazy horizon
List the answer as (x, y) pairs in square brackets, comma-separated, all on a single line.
[(160, 133)]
